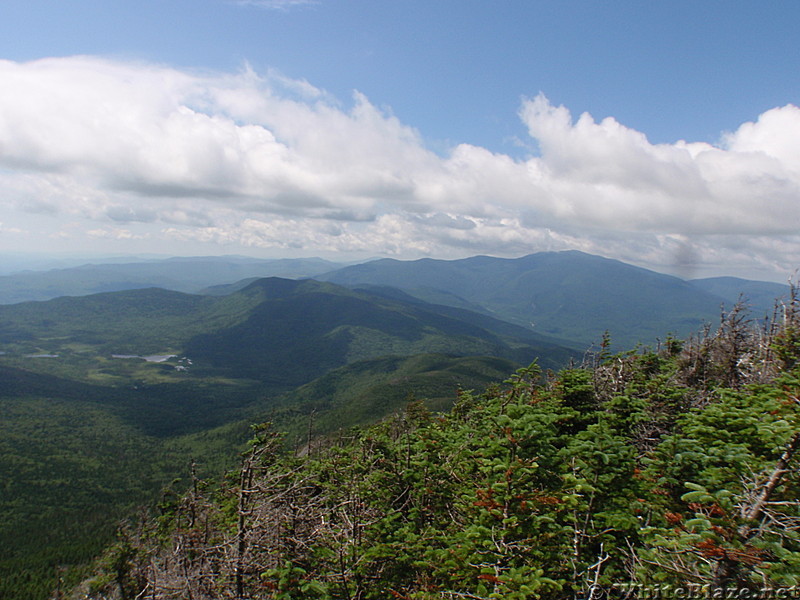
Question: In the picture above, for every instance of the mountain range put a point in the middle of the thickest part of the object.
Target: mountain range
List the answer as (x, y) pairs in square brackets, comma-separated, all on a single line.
[(170, 360), (183, 274), (572, 296)]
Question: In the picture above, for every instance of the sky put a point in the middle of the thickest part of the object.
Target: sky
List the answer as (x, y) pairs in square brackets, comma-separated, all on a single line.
[(663, 134)]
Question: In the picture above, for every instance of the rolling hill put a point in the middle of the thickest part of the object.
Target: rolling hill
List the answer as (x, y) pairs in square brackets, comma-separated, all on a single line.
[(278, 331), (304, 328)]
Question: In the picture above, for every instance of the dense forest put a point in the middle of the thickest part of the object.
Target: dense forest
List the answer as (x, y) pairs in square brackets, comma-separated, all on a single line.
[(629, 473), (100, 406)]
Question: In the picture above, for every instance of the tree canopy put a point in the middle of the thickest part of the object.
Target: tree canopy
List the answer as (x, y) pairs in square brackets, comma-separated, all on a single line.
[(674, 466)]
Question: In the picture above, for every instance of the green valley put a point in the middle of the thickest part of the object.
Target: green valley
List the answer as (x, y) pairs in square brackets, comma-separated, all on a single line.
[(94, 425)]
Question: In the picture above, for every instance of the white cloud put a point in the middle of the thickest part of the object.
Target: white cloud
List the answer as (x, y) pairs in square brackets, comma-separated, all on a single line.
[(773, 135), (263, 161), (608, 176), (113, 233)]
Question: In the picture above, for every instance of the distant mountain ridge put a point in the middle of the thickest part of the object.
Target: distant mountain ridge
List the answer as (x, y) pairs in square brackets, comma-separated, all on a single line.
[(760, 296), (182, 274), (568, 295)]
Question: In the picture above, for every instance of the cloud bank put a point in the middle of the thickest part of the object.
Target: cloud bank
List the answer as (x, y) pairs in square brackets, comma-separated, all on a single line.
[(130, 151)]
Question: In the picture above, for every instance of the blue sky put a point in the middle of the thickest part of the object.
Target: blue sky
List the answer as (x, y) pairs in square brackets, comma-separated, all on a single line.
[(663, 134)]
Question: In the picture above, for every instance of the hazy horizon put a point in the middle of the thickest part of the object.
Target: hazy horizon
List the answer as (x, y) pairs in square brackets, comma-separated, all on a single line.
[(664, 136)]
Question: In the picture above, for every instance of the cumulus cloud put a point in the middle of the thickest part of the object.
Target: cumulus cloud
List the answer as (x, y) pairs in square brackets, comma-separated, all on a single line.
[(610, 176), (263, 161)]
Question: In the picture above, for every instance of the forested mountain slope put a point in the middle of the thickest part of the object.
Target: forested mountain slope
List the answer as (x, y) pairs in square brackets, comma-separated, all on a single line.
[(106, 398), (365, 391), (675, 467), (301, 329), (279, 331), (568, 295)]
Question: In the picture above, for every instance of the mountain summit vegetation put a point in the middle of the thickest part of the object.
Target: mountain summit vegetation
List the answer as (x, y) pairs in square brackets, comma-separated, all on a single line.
[(674, 466)]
